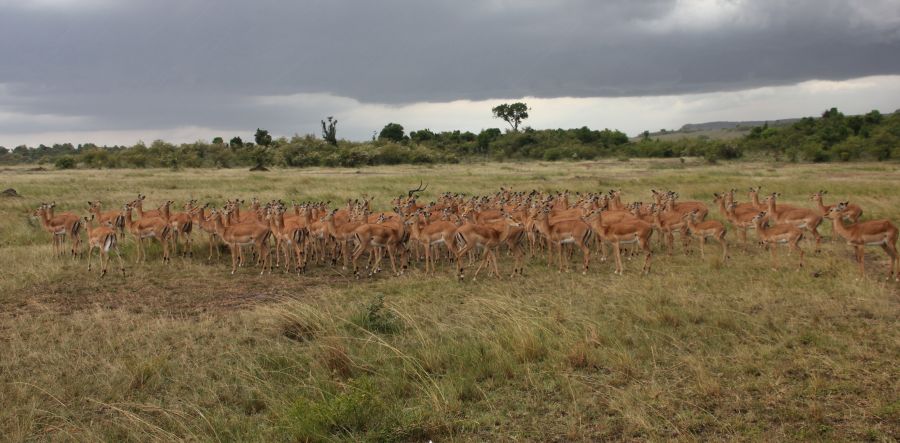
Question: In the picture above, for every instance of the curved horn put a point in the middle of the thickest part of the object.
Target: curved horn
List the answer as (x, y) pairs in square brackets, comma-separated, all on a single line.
[(411, 192)]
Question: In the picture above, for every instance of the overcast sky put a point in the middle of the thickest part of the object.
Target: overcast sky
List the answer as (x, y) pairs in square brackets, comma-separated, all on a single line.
[(119, 71)]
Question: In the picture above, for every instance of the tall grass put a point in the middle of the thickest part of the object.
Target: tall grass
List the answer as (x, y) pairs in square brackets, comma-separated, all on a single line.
[(698, 350)]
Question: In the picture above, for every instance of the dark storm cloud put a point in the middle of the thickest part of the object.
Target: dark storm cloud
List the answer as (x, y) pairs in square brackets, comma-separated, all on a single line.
[(150, 64)]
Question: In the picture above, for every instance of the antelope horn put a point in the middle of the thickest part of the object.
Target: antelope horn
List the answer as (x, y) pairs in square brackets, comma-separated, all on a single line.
[(411, 192)]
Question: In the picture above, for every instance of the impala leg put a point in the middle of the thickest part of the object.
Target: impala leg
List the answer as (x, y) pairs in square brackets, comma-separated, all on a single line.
[(772, 248), (818, 237), (724, 244), (484, 258), (585, 258), (861, 260), (104, 261), (648, 254), (121, 262), (796, 245), (618, 251), (90, 257), (235, 248), (390, 251)]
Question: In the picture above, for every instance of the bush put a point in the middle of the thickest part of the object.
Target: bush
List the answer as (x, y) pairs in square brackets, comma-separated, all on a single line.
[(66, 162)]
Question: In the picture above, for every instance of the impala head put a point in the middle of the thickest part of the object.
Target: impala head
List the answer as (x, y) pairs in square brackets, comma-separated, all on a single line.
[(836, 212), (758, 217)]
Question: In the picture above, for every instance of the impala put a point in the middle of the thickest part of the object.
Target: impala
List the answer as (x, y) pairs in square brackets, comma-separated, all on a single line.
[(802, 218), (238, 235), (104, 239), (869, 233), (59, 227), (113, 219), (182, 226), (667, 222), (432, 234), (342, 234), (151, 227), (377, 235), (207, 225), (852, 213), (707, 229), (779, 233), (625, 232), (575, 232), (487, 236)]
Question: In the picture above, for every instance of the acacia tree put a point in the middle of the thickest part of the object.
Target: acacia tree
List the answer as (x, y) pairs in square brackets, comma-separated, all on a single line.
[(513, 114), (329, 130)]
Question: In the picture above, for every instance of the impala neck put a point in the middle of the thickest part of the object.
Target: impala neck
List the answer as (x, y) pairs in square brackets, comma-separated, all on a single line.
[(128, 221), (838, 226), (771, 207), (821, 205), (754, 197), (45, 219)]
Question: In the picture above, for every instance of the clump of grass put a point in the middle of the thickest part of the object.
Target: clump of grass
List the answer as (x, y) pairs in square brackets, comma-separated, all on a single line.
[(334, 358), (376, 319)]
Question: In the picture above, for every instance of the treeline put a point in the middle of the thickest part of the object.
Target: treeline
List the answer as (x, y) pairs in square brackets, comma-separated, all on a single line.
[(831, 137)]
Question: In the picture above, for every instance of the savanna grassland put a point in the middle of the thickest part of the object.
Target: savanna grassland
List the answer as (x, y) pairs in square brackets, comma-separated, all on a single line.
[(697, 350)]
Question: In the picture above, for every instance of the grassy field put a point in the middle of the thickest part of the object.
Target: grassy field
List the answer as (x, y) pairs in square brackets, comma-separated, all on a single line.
[(698, 350)]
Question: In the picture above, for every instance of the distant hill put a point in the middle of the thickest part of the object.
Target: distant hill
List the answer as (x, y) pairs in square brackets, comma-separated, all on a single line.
[(710, 126), (719, 130)]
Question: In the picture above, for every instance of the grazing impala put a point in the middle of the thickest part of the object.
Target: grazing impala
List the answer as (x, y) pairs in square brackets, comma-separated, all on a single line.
[(104, 239), (152, 227), (779, 233), (869, 233)]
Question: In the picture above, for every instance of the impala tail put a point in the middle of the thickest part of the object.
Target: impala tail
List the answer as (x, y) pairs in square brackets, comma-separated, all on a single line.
[(109, 242), (76, 228)]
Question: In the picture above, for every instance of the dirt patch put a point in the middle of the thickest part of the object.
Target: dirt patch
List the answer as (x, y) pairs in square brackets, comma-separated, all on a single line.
[(163, 295), (260, 168)]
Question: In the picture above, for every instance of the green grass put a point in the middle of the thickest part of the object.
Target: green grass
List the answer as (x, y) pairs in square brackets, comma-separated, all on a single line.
[(698, 350)]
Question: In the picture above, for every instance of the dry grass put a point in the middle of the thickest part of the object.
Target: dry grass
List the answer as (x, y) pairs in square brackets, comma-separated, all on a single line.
[(698, 350)]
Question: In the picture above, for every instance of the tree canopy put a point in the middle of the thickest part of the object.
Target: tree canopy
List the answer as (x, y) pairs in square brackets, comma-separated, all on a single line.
[(392, 131), (513, 114)]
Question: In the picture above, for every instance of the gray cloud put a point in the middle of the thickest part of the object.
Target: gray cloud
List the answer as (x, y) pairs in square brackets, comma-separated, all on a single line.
[(156, 64)]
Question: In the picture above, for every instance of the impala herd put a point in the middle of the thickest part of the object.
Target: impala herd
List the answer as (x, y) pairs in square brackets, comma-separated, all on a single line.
[(455, 228)]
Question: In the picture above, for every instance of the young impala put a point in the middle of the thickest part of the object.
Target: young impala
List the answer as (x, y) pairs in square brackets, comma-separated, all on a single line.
[(104, 239)]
